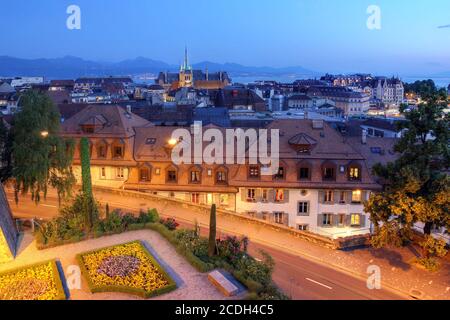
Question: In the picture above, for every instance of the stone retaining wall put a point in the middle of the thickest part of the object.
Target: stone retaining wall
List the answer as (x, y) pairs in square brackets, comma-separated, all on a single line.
[(204, 209)]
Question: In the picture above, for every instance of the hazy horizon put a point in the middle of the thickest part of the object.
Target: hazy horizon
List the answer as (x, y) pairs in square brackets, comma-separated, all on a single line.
[(322, 36)]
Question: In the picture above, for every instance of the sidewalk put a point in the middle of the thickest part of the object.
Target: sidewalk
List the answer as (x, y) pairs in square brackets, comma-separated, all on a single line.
[(396, 272)]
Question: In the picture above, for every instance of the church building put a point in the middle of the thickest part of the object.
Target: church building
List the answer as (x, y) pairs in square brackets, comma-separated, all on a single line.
[(190, 78)]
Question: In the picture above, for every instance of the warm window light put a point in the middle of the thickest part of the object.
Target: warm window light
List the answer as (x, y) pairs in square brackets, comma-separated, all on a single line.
[(44, 134)]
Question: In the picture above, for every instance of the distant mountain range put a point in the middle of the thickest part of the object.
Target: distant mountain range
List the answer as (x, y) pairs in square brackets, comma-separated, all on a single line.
[(73, 67)]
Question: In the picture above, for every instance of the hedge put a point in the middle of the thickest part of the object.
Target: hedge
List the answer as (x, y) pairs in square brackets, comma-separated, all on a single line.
[(116, 288)]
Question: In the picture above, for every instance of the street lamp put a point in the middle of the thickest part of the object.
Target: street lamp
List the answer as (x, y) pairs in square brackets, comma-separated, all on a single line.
[(44, 134), (172, 142)]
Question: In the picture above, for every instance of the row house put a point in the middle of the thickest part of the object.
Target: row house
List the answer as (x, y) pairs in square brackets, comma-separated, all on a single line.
[(319, 186)]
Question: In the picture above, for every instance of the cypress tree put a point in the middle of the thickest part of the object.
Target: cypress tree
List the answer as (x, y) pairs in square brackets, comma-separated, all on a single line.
[(212, 232)]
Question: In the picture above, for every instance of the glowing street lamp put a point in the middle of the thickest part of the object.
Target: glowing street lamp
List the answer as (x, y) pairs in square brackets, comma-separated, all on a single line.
[(172, 142), (44, 134)]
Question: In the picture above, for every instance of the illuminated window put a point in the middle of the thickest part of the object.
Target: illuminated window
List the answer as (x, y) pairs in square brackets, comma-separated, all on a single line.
[(279, 195), (354, 173), (209, 198), (355, 220), (224, 199), (254, 172), (356, 196)]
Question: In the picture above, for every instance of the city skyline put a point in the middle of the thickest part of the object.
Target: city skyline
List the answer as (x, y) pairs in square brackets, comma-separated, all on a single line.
[(306, 33)]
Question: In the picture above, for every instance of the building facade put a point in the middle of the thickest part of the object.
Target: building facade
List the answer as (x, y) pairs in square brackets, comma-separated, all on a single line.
[(320, 185)]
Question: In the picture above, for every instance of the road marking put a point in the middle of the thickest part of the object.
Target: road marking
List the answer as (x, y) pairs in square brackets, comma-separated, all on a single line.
[(320, 284), (48, 205)]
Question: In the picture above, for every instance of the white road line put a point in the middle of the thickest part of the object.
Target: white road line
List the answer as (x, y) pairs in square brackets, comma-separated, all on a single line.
[(48, 205), (320, 284)]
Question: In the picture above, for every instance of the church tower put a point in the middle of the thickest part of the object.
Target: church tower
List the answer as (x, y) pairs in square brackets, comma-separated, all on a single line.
[(186, 77)]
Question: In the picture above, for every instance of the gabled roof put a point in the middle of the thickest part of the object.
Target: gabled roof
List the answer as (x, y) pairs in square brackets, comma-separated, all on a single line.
[(114, 121)]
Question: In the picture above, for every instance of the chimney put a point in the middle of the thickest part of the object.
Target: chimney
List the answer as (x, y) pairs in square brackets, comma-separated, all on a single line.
[(317, 124), (364, 136), (196, 127)]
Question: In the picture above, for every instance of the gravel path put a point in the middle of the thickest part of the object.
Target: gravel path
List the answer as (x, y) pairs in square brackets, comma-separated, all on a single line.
[(192, 285)]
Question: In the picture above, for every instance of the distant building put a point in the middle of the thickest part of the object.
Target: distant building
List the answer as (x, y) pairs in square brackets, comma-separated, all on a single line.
[(381, 128), (345, 80), (86, 84), (238, 98), (388, 91), (350, 102), (26, 81), (61, 85), (187, 77)]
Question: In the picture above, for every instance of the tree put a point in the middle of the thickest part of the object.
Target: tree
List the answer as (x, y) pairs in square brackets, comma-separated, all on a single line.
[(426, 89), (212, 232), (41, 158), (6, 141), (90, 209), (417, 186)]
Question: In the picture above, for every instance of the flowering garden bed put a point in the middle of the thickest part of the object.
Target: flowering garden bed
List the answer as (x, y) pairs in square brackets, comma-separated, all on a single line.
[(35, 282), (127, 268)]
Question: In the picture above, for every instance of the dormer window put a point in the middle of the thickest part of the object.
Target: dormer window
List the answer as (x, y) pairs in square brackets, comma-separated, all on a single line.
[(144, 174), (329, 171), (172, 175), (118, 152), (280, 173), (221, 177), (354, 172), (254, 172), (118, 149), (101, 151), (195, 176)]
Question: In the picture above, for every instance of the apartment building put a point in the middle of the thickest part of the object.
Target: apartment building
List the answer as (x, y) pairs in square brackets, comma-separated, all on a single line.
[(319, 186)]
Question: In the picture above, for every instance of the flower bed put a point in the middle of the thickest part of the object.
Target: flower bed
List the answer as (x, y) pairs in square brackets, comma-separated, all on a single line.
[(127, 268), (36, 282)]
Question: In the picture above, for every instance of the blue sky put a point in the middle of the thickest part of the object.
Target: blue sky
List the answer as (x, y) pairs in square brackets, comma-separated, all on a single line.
[(322, 35)]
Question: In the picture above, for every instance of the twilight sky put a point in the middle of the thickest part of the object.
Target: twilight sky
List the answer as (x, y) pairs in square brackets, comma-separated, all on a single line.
[(321, 35)]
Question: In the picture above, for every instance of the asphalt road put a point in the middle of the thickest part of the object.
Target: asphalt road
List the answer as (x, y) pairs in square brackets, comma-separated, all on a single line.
[(299, 277)]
